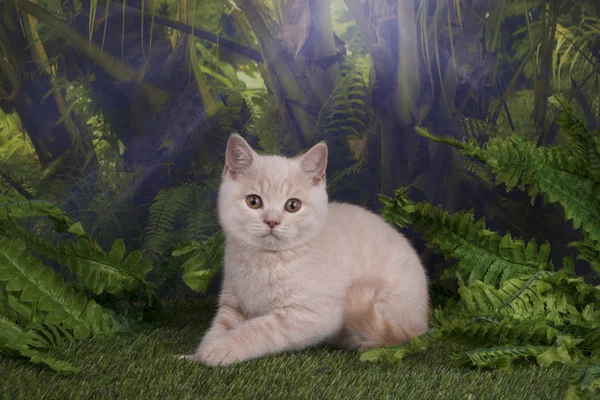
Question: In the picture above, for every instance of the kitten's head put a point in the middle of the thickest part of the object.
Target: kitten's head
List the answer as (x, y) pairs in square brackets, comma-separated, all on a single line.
[(272, 202)]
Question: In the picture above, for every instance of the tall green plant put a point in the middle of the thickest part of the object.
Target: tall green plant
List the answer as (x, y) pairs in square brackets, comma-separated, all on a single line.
[(511, 302), (39, 309)]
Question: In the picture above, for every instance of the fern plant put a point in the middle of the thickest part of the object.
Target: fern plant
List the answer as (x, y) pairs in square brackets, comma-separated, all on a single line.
[(512, 302), (346, 121), (185, 210), (39, 308), (202, 261)]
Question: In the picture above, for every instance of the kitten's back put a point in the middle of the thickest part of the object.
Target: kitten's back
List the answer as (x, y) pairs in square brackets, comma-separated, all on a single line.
[(358, 231), (387, 300)]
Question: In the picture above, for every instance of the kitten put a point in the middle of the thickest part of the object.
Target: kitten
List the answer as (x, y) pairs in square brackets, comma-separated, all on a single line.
[(300, 271)]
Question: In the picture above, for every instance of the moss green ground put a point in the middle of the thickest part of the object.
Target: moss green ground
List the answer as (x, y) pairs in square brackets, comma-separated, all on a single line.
[(141, 366)]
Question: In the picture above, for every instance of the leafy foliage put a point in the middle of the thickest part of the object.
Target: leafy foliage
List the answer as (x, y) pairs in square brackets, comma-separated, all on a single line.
[(38, 308), (214, 82), (345, 122), (22, 343), (511, 302), (39, 284), (481, 254), (346, 111), (203, 261), (190, 204), (559, 175), (584, 382), (21, 208)]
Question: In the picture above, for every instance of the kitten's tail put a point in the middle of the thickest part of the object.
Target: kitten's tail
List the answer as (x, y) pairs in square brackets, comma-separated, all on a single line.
[(375, 317)]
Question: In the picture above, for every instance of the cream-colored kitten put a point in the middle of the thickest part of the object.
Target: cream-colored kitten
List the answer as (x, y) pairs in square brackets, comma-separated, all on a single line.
[(300, 271)]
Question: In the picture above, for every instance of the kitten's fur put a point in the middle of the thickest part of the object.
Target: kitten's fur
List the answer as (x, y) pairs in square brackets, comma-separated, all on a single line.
[(329, 273)]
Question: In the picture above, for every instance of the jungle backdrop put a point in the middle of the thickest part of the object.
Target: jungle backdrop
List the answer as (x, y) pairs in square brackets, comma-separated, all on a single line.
[(114, 118)]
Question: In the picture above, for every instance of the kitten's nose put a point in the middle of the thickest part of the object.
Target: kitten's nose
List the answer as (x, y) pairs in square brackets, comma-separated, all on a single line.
[(272, 224)]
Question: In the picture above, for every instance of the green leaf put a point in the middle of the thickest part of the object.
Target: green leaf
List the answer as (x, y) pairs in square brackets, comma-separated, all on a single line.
[(165, 206), (76, 229), (203, 262), (32, 208), (102, 272), (499, 356), (556, 354), (481, 254), (40, 284), (558, 174), (18, 342)]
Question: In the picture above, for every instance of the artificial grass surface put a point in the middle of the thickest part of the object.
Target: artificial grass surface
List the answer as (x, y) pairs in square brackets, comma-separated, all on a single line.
[(142, 366)]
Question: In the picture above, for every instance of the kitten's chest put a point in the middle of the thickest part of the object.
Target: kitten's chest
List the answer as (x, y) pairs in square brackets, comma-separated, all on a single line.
[(263, 285)]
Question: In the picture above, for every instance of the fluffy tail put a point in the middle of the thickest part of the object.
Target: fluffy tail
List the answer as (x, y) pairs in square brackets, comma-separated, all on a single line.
[(376, 316)]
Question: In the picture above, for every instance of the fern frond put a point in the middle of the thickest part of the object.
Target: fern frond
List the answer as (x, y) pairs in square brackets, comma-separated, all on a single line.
[(481, 254), (334, 183), (479, 171), (518, 163), (203, 262), (588, 251), (19, 342), (12, 337), (516, 297), (499, 356), (345, 112), (478, 129), (481, 331), (395, 354), (32, 208), (165, 206), (114, 272), (544, 309), (584, 382), (580, 139), (39, 284), (200, 216)]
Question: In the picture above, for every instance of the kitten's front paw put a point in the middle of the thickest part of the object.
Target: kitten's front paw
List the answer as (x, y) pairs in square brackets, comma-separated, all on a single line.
[(216, 353)]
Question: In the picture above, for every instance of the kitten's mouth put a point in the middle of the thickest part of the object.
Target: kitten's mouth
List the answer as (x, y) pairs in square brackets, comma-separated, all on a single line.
[(271, 234)]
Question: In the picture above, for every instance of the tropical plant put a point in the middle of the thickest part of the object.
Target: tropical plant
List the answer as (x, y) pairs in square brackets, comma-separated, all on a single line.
[(511, 301), (124, 104), (192, 204), (104, 293)]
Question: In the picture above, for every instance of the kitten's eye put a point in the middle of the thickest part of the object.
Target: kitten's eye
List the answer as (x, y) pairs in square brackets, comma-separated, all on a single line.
[(292, 205), (254, 201)]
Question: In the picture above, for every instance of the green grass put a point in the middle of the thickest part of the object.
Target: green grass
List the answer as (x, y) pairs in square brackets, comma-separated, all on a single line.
[(142, 365)]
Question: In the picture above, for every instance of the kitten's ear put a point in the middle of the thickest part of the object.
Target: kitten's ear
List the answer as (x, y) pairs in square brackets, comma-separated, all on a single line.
[(238, 156), (314, 162)]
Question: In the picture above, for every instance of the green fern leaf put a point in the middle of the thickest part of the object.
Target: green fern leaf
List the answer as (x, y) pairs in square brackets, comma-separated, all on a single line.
[(481, 253), (112, 272), (346, 111), (203, 262), (580, 139), (395, 354), (13, 337), (518, 163), (476, 128), (200, 216), (18, 342), (166, 205), (33, 208), (590, 252), (39, 284), (584, 382), (499, 356)]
